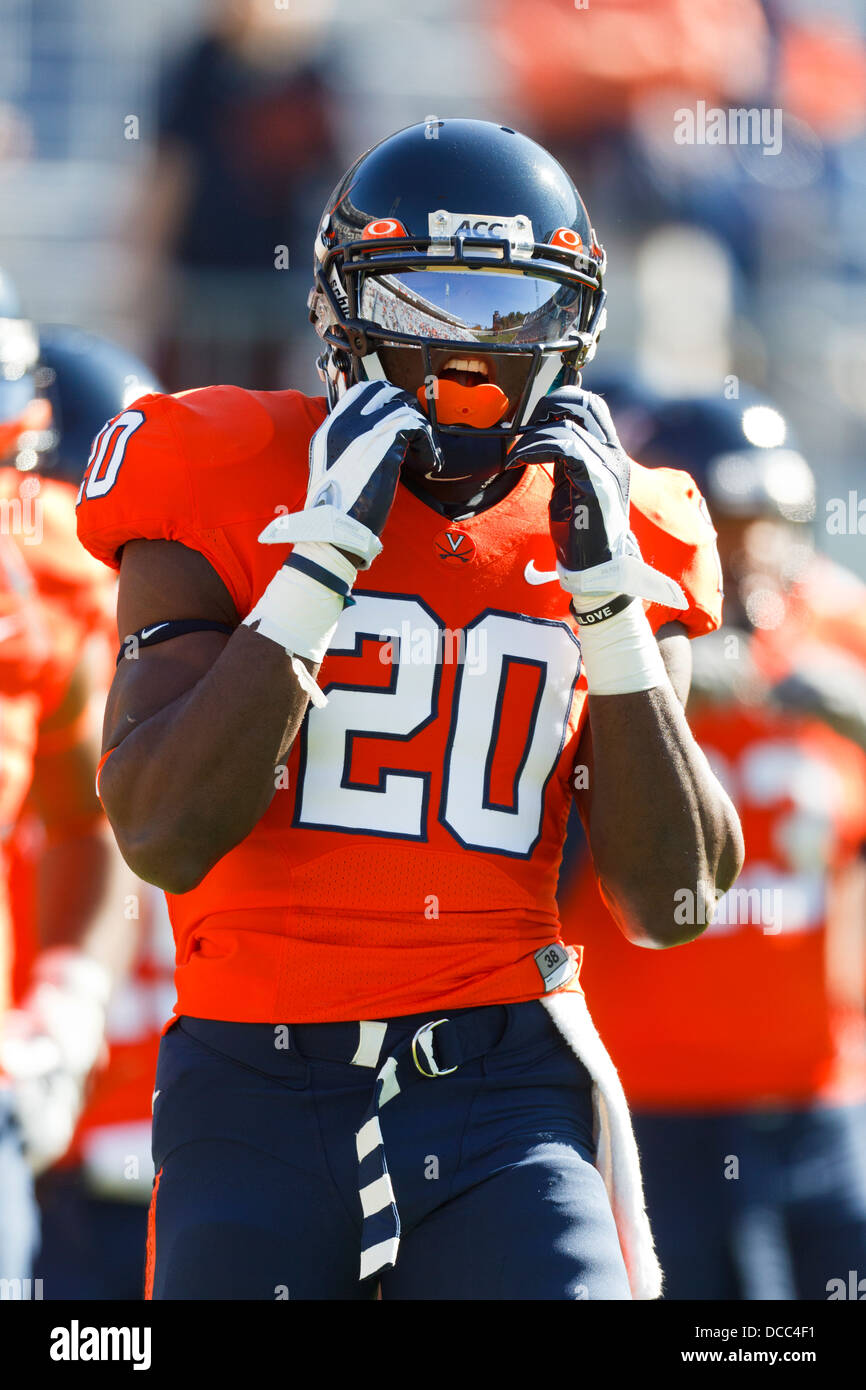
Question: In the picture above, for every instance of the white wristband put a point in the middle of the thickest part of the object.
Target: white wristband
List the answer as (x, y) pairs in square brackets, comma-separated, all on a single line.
[(327, 557), (621, 654), (301, 614)]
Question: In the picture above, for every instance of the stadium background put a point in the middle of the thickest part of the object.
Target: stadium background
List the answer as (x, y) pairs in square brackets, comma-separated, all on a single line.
[(721, 259), (725, 262)]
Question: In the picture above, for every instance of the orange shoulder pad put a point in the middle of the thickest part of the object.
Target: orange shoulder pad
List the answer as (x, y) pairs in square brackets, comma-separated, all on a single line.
[(672, 526), (208, 468)]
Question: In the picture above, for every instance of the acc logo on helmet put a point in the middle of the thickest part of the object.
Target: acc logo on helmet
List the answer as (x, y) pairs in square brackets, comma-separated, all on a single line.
[(444, 225)]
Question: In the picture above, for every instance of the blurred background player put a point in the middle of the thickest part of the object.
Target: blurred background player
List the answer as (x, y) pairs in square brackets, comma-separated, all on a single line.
[(65, 936), (744, 1054), (94, 1202), (25, 691)]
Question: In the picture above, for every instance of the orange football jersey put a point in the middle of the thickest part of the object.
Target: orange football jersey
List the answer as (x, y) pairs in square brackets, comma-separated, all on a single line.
[(825, 608), (31, 685), (411, 858), (763, 1008), (76, 611), (77, 598)]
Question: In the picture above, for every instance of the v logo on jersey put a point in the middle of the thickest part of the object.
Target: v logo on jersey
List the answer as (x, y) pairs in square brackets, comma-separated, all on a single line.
[(534, 576), (454, 547)]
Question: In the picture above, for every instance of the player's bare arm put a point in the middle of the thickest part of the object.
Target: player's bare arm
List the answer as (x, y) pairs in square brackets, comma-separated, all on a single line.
[(657, 818), (198, 724), (205, 719)]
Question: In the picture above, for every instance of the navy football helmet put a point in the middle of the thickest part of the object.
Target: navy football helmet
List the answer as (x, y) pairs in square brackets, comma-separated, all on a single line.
[(88, 380), (631, 401), (741, 453), (456, 260)]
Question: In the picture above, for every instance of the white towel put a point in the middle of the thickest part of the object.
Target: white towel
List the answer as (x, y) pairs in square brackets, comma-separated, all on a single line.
[(617, 1156)]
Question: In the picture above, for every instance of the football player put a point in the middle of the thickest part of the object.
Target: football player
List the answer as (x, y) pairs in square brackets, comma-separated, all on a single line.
[(93, 1202), (745, 1054), (26, 690), (54, 602), (370, 646)]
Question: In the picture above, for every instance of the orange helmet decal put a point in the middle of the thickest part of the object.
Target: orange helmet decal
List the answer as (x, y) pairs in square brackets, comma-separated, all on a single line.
[(383, 227), (567, 238)]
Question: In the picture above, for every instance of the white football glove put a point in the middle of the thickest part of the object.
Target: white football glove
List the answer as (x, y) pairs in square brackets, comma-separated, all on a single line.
[(50, 1044), (355, 460)]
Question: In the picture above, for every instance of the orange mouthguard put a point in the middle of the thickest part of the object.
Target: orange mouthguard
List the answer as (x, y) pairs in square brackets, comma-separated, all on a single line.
[(480, 406)]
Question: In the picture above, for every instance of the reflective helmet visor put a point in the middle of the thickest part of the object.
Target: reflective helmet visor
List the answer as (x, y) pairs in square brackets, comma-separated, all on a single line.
[(477, 306)]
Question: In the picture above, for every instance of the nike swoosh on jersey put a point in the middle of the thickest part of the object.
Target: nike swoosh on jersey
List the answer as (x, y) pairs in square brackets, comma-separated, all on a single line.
[(149, 631), (534, 576)]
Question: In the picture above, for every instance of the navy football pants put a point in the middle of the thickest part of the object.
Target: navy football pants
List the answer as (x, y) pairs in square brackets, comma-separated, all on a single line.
[(756, 1205), (257, 1188), (92, 1246)]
